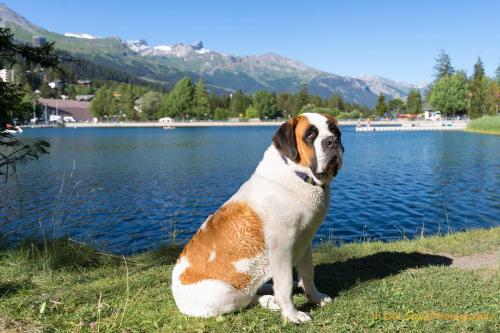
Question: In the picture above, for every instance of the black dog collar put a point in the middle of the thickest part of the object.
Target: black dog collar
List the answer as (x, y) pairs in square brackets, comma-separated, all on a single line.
[(308, 179), (302, 175)]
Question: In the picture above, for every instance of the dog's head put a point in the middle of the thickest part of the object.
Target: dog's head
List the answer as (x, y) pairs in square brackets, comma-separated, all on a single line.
[(312, 140)]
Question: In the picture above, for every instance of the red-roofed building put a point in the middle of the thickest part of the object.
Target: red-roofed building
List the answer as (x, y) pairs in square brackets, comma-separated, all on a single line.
[(79, 110)]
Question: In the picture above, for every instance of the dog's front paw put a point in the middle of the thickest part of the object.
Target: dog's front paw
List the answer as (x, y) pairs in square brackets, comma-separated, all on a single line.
[(297, 317), (319, 299)]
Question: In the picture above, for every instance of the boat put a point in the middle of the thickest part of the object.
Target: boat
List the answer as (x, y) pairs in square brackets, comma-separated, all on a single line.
[(169, 127), (13, 130)]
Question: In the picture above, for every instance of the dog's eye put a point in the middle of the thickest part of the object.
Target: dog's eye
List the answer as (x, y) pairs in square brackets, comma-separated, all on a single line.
[(311, 135)]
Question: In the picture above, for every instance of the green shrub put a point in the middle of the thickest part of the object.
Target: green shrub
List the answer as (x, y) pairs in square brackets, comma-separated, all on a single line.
[(485, 124)]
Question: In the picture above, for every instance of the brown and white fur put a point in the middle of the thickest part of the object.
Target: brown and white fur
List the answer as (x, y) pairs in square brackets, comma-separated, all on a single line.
[(265, 229)]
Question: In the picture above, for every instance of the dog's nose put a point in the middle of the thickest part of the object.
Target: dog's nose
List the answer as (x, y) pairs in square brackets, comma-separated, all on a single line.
[(328, 143)]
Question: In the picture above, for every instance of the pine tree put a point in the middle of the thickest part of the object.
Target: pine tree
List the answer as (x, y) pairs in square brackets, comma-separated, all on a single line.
[(180, 101), (414, 102), (127, 101), (99, 105), (443, 66), (284, 103), (478, 70), (239, 104), (201, 104), (300, 100), (150, 104), (381, 107), (478, 89), (395, 105), (336, 102), (252, 112), (265, 104), (15, 151)]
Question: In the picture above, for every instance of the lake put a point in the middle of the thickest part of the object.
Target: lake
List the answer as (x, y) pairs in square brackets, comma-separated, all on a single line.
[(126, 190)]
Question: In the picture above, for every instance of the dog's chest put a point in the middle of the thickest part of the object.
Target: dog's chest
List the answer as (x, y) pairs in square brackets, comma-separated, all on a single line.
[(311, 218), (315, 205)]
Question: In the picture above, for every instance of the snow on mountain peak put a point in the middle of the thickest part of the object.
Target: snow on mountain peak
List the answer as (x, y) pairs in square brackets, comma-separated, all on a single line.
[(79, 35), (176, 50), (137, 45), (165, 48)]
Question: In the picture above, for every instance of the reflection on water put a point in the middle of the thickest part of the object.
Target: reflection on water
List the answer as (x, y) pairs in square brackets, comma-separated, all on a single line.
[(129, 189)]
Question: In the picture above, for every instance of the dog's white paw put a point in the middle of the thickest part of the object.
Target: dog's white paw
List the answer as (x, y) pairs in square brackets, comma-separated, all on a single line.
[(268, 302), (319, 299), (297, 317)]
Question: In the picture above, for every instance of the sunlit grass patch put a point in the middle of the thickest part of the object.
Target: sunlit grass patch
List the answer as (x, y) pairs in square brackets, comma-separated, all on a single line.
[(486, 125), (397, 286)]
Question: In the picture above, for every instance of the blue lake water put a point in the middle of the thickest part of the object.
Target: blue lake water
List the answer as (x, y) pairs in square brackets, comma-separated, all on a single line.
[(128, 190)]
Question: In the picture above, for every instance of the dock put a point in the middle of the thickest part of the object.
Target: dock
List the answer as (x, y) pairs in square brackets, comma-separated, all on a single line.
[(414, 128)]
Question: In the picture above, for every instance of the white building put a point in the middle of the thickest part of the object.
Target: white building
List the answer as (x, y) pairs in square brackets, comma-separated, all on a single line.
[(55, 84), (7, 75)]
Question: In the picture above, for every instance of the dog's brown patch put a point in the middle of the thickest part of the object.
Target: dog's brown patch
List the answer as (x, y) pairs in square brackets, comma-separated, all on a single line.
[(331, 118), (234, 232), (306, 152)]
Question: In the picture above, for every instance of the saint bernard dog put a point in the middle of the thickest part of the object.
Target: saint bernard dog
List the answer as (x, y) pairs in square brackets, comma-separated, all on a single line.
[(265, 229)]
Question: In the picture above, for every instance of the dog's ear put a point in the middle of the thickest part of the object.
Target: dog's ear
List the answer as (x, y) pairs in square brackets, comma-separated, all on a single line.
[(284, 140)]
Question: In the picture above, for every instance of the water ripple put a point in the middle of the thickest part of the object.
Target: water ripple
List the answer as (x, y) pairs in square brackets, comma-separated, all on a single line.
[(133, 189)]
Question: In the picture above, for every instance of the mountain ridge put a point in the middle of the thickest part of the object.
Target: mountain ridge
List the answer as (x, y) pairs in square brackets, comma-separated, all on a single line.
[(222, 72)]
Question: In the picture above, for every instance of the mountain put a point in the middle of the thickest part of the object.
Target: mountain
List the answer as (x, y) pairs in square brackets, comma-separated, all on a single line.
[(380, 85), (223, 73), (10, 16)]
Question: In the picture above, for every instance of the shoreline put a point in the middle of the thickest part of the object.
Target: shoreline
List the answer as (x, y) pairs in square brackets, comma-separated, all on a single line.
[(486, 132), (233, 124)]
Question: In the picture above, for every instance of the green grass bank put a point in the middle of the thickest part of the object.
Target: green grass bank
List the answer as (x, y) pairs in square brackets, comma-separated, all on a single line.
[(430, 284), (485, 125)]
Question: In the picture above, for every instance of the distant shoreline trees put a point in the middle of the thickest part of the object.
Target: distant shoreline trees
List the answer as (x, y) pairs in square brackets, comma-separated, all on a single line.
[(188, 101), (453, 92)]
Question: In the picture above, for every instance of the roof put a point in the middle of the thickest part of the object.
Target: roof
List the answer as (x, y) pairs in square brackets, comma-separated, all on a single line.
[(77, 109)]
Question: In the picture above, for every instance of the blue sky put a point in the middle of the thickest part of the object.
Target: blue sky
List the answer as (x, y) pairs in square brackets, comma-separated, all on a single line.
[(397, 39)]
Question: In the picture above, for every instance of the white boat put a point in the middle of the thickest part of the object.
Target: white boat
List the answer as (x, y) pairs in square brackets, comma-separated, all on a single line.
[(13, 130)]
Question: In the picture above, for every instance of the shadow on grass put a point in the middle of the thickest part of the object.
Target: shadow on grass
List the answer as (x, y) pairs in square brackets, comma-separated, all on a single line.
[(333, 278), (10, 288), (68, 254), (57, 254)]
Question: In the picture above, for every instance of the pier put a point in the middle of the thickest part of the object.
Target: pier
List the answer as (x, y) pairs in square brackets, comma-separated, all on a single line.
[(456, 126)]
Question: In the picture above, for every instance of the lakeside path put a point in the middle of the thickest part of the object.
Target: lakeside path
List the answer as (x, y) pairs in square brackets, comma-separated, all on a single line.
[(243, 124)]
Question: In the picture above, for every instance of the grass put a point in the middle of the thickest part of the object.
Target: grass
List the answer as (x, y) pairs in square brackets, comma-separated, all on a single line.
[(485, 125), (62, 286)]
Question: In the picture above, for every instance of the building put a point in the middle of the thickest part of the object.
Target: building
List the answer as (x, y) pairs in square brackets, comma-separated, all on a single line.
[(66, 109), (138, 105), (84, 83), (56, 84), (86, 98), (39, 41), (7, 75)]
